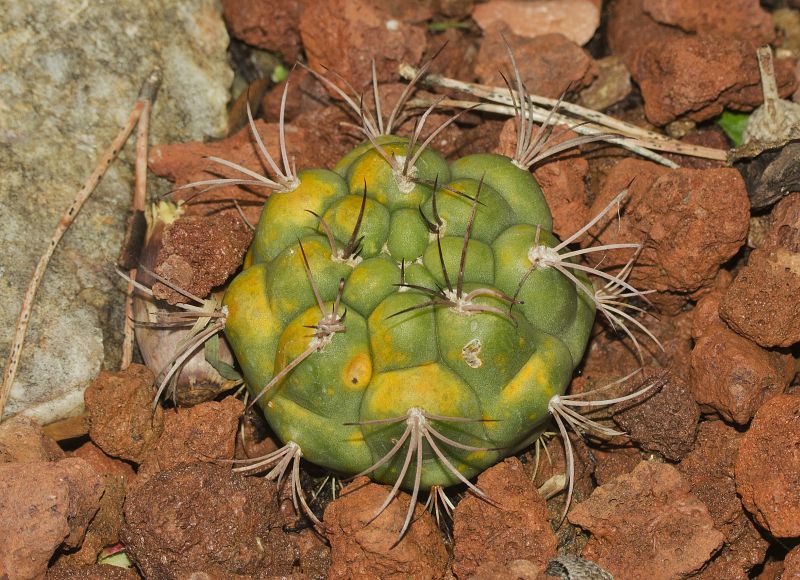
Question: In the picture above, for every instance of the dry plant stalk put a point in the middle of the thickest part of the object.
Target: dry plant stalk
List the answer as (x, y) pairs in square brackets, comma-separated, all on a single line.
[(143, 102), (636, 139)]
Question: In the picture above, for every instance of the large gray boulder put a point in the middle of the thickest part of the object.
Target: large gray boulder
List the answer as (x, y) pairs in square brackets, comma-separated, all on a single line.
[(70, 72)]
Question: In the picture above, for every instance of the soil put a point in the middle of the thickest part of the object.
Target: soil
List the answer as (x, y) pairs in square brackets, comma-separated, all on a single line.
[(704, 483)]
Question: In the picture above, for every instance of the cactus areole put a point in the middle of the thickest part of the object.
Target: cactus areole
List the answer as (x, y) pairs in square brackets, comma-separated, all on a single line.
[(402, 307)]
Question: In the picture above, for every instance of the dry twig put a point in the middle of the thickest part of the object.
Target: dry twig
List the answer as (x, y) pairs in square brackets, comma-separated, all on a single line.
[(146, 96)]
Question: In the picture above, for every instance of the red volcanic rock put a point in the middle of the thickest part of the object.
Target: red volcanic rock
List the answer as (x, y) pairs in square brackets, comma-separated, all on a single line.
[(494, 537), (343, 35), (668, 46), (692, 221), (200, 253), (362, 550), (22, 440), (272, 26), (762, 304), (548, 64), (791, 565), (122, 421), (768, 466), (576, 19), (203, 518), (203, 433), (744, 19), (709, 470), (647, 524), (732, 376), (43, 505), (105, 526)]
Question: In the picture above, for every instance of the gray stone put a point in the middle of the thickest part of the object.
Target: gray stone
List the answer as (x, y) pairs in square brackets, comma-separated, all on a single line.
[(70, 72)]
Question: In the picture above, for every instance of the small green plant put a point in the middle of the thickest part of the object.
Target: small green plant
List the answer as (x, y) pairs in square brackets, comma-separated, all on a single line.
[(411, 319)]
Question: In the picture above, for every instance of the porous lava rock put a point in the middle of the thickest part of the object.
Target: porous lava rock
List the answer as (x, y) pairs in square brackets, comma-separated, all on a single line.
[(200, 253), (613, 458), (43, 505), (705, 315), (272, 26), (203, 518), (104, 528), (67, 571), (494, 536), (791, 565), (743, 19), (575, 19), (669, 45), (664, 419), (709, 470), (612, 352), (762, 304), (548, 64), (203, 433), (122, 421), (768, 466), (343, 34), (690, 221), (362, 550), (647, 524), (732, 376), (22, 440)]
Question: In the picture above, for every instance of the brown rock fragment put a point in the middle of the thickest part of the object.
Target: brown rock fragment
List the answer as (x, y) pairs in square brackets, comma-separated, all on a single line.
[(493, 537), (359, 550), (22, 440), (575, 19), (709, 470), (43, 505), (717, 44), (762, 303), (705, 316), (647, 525), (343, 34), (199, 253), (203, 518), (203, 433), (614, 458), (548, 64), (122, 420), (692, 221), (732, 376), (791, 565), (735, 18), (272, 26), (664, 419), (67, 571), (611, 352), (105, 526), (768, 466)]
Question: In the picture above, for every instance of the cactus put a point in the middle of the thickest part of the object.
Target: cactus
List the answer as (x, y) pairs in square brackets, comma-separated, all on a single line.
[(408, 318)]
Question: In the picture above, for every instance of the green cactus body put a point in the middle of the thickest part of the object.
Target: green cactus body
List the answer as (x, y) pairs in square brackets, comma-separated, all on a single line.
[(450, 361)]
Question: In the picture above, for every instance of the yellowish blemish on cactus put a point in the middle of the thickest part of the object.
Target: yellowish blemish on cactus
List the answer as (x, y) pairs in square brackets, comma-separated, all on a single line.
[(358, 372)]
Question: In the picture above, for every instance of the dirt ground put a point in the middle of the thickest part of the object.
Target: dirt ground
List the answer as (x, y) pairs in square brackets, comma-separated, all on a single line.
[(706, 483)]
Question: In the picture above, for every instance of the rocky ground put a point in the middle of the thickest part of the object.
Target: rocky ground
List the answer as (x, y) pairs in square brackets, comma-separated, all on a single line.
[(707, 482)]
